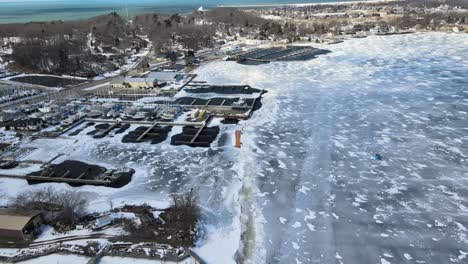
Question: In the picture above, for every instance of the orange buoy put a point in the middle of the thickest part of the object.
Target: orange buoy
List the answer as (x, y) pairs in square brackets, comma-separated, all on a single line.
[(238, 139)]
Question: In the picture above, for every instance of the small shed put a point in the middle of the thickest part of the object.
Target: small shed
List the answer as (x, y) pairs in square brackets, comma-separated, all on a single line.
[(102, 221), (16, 225)]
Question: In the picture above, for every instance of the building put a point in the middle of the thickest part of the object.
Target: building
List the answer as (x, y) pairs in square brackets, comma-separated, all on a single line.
[(102, 221), (167, 76), (26, 124), (136, 83), (19, 226)]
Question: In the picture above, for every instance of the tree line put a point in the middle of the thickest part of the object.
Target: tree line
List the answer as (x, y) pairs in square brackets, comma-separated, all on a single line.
[(64, 47), (61, 47)]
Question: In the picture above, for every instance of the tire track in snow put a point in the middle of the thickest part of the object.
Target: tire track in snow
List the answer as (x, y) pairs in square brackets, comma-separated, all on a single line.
[(247, 239)]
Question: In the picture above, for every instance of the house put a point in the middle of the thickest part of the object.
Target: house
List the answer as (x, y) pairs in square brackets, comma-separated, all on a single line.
[(26, 124), (15, 225)]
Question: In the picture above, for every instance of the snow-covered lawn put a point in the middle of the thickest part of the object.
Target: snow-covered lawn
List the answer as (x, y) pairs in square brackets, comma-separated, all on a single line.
[(58, 259)]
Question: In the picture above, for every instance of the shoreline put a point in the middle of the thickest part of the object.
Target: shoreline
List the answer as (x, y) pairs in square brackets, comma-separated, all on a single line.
[(73, 16), (311, 4)]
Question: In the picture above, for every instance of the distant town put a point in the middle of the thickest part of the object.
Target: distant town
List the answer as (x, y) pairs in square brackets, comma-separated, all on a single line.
[(133, 83)]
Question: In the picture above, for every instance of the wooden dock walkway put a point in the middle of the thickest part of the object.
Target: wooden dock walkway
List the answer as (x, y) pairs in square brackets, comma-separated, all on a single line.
[(198, 133), (51, 160), (108, 130), (196, 124), (146, 132), (57, 179), (301, 51)]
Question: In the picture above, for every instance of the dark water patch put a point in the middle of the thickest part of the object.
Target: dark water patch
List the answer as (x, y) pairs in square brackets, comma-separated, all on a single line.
[(156, 135), (230, 121), (291, 53), (223, 139), (122, 129), (281, 53), (252, 62), (258, 104), (102, 130), (204, 138), (102, 126), (76, 132), (92, 133), (72, 171), (48, 81), (307, 56), (223, 89), (261, 53), (97, 129)]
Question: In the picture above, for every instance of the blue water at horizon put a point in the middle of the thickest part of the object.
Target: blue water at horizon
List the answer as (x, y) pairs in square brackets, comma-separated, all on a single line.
[(22, 11)]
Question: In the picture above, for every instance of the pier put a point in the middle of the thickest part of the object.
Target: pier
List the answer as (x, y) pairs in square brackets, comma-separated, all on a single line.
[(57, 179), (289, 53), (151, 123), (76, 173)]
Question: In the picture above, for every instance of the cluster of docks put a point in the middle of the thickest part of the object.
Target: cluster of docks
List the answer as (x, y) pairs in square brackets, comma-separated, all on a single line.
[(290, 53), (194, 134)]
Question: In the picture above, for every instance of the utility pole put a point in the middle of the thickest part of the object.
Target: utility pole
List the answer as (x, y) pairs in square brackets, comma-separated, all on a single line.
[(126, 7)]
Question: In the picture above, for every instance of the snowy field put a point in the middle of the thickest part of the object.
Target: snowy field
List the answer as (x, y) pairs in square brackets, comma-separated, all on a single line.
[(305, 188)]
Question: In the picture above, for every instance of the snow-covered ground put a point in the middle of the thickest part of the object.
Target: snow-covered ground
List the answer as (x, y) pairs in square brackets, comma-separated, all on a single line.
[(305, 188), (84, 148), (76, 259), (130, 63), (58, 259)]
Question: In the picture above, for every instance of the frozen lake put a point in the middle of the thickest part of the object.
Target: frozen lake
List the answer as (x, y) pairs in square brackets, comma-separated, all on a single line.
[(305, 187), (313, 191)]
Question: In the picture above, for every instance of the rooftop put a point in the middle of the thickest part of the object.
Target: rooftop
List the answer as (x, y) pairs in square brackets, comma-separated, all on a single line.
[(11, 219), (164, 75)]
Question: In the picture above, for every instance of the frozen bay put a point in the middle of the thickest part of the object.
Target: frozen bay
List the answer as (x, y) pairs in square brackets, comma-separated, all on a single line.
[(312, 190)]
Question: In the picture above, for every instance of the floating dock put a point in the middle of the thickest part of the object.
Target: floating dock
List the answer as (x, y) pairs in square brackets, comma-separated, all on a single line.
[(289, 53)]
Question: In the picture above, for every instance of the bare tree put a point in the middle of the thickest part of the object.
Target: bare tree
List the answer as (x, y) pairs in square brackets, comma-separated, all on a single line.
[(68, 206), (186, 205), (45, 199), (73, 207)]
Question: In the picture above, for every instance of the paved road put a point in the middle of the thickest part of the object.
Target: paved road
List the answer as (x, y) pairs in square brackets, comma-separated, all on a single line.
[(24, 244)]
